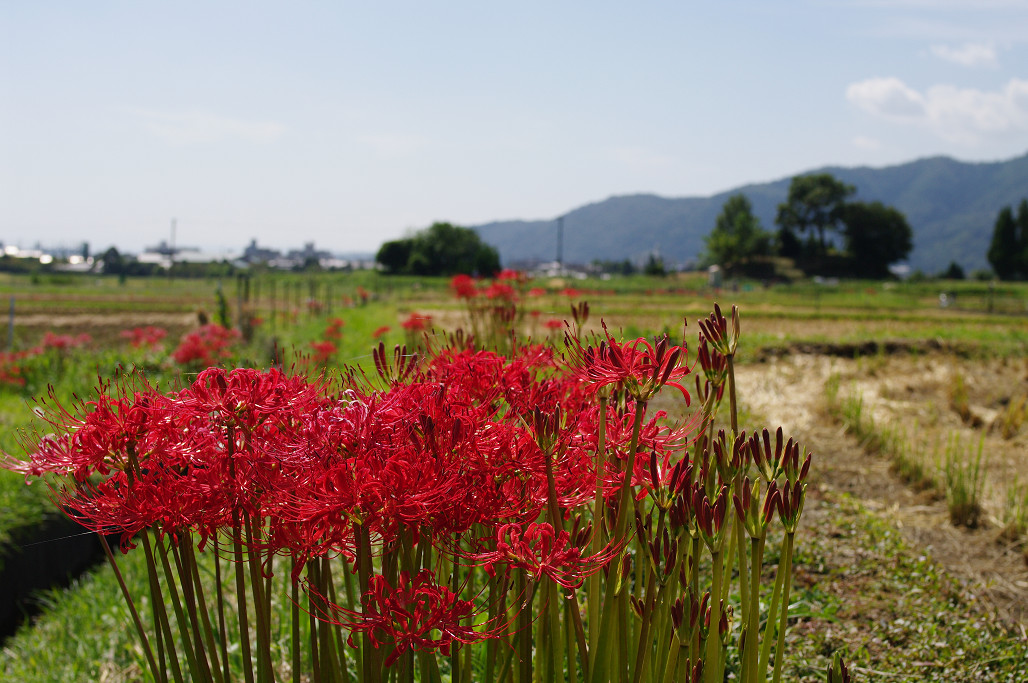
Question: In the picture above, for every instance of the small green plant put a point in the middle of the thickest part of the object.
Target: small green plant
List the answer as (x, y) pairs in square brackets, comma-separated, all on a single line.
[(1015, 512), (958, 398), (964, 483), (908, 463), (1013, 417)]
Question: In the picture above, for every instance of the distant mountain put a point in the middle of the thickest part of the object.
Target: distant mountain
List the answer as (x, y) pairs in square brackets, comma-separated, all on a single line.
[(951, 206)]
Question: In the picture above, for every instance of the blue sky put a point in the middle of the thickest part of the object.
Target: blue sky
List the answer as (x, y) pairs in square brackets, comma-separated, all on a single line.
[(350, 123)]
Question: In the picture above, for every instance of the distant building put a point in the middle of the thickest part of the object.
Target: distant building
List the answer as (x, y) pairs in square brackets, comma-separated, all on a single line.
[(253, 254)]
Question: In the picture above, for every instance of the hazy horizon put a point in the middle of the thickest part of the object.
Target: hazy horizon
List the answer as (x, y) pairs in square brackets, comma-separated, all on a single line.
[(348, 126)]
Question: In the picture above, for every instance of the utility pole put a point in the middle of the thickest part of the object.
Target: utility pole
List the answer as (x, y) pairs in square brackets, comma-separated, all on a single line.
[(560, 244), (171, 249)]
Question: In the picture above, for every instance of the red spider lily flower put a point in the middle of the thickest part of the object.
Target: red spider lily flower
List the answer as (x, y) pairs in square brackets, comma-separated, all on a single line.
[(323, 351), (11, 368), (380, 331), (536, 291), (209, 345), (553, 324), (149, 336), (508, 275), (463, 286), (418, 615), (500, 291), (416, 322), (539, 551), (570, 292), (334, 331), (640, 367), (63, 342)]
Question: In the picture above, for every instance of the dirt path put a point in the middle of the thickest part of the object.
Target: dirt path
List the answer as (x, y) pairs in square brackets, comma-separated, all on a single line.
[(789, 391)]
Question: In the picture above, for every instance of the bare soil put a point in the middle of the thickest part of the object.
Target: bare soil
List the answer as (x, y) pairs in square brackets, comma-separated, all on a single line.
[(912, 393)]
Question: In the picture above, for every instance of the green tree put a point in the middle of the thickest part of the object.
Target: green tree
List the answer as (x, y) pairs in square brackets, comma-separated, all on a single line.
[(815, 204), (737, 235), (395, 255), (113, 262), (876, 237), (655, 266), (954, 272), (1022, 238), (1005, 249), (441, 249)]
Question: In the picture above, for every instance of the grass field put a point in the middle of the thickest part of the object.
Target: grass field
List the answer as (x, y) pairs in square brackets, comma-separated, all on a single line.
[(882, 572)]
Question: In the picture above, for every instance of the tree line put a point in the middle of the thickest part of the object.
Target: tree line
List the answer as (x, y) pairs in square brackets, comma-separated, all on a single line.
[(817, 208), (1008, 250), (441, 249)]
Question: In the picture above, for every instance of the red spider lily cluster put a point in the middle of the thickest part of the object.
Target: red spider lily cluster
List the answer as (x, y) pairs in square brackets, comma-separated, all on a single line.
[(334, 329), (61, 342), (209, 345), (12, 368), (475, 496), (416, 322), (147, 337)]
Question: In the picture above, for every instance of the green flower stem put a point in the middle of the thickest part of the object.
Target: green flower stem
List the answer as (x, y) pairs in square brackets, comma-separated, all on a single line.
[(732, 402), (140, 631), (751, 627), (314, 588), (780, 646), (195, 600), (672, 661), (713, 654), (556, 644), (599, 537), (574, 639), (371, 666), (524, 633), (352, 602), (330, 668), (219, 588), (624, 503), (337, 635), (429, 668), (455, 648), (624, 637), (643, 652), (265, 673), (575, 623), (776, 596), (294, 622), (180, 618), (496, 597), (740, 544)]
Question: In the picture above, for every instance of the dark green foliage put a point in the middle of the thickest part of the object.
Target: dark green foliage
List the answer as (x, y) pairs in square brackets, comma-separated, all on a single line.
[(1008, 250), (394, 256), (655, 266), (623, 267), (876, 236), (737, 236), (442, 249), (954, 272), (815, 204)]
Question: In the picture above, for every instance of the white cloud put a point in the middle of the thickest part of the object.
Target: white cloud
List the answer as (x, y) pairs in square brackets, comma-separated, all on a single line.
[(887, 97), (866, 143), (961, 115), (969, 54), (201, 127)]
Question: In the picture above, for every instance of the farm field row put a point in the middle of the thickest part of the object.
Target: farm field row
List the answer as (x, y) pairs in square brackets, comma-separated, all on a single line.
[(851, 528)]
